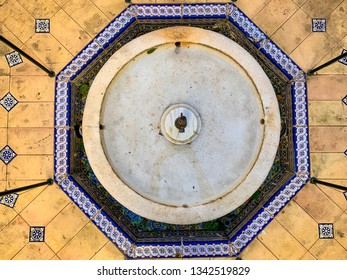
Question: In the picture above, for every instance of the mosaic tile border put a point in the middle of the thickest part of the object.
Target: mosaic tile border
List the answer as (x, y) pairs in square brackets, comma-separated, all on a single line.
[(184, 249)]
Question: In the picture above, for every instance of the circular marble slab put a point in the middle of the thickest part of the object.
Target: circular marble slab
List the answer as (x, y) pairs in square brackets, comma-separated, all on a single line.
[(181, 125)]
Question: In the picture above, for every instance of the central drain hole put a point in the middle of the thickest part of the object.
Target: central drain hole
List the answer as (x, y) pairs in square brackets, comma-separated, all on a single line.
[(181, 123)]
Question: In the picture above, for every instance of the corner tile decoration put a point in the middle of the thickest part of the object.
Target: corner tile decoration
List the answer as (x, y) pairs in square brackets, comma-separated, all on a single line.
[(136, 236), (8, 102), (9, 200), (326, 231), (42, 25), (7, 154), (343, 60), (13, 58), (319, 25), (344, 100), (37, 234)]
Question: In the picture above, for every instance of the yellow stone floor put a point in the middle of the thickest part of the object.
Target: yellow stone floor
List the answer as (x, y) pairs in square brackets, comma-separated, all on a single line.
[(28, 128)]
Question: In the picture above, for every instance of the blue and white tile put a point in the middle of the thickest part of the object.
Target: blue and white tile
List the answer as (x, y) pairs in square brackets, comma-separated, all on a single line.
[(37, 234), (13, 58), (319, 25), (326, 231), (42, 25), (7, 154), (9, 200), (8, 101), (343, 60)]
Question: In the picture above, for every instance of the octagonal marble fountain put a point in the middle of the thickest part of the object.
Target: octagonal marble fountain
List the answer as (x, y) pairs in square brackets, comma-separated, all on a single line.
[(181, 125)]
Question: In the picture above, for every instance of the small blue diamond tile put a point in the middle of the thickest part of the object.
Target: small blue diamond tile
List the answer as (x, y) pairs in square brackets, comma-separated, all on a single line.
[(326, 231), (345, 194), (319, 25), (345, 153), (8, 102), (7, 154), (37, 234), (343, 60), (13, 59), (42, 25), (9, 200), (344, 100)]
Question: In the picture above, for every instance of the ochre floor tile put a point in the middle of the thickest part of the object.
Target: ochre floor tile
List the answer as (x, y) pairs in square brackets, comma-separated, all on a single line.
[(329, 165), (3, 118), (257, 251), (3, 171), (251, 8), (308, 257), (109, 252), (65, 226), (17, 20), (74, 38), (320, 8), (299, 2), (7, 214), (3, 137), (4, 85), (13, 238), (274, 14), (40, 8), (334, 194), (328, 139), (288, 40), (280, 242), (303, 229), (48, 49), (3, 185), (55, 258), (4, 69), (316, 204), (33, 88), (35, 251), (25, 197), (86, 15), (308, 54), (52, 200), (337, 22), (327, 113), (31, 141), (34, 167), (328, 249), (32, 115), (326, 87), (84, 245), (340, 230), (111, 8)]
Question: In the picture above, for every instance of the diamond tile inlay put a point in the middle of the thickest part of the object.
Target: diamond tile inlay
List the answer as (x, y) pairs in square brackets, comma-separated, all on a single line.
[(326, 231), (319, 25), (8, 102), (9, 200), (344, 100), (42, 25), (13, 58), (343, 60), (37, 234), (7, 154)]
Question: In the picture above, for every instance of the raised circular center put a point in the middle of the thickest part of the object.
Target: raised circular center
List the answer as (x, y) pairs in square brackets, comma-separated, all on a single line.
[(180, 124), (181, 133)]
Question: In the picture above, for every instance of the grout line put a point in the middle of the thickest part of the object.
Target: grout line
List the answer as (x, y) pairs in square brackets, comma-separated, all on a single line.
[(265, 245), (267, 3)]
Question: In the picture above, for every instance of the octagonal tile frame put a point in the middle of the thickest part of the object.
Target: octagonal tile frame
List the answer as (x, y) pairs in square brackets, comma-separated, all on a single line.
[(183, 249)]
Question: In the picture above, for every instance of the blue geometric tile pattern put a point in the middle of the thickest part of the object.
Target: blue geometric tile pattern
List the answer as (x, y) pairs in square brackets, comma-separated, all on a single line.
[(42, 25), (326, 231), (7, 154), (13, 58), (9, 200), (343, 60), (37, 234), (319, 25), (8, 102), (196, 248)]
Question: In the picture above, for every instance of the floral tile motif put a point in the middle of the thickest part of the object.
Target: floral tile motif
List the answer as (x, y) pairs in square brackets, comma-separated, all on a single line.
[(326, 231), (42, 25), (37, 234), (8, 102), (7, 154), (13, 58), (9, 200), (343, 60), (319, 25), (344, 100)]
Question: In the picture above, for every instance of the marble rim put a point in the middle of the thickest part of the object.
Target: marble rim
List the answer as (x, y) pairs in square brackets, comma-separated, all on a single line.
[(127, 196)]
